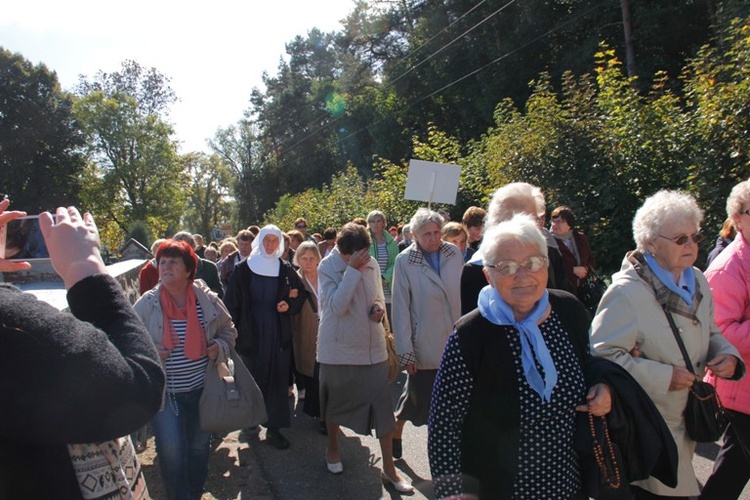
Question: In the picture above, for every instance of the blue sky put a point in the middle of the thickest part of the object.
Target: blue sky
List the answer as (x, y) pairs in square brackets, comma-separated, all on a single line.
[(214, 53)]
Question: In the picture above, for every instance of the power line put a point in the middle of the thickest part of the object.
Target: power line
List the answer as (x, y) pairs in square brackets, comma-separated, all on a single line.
[(412, 68), (507, 54)]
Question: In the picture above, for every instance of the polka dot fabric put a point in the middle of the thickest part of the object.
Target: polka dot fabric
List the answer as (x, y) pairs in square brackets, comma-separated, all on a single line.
[(548, 464)]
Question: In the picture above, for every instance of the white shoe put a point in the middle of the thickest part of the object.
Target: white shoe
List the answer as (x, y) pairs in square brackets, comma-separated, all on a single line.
[(335, 468), (401, 486)]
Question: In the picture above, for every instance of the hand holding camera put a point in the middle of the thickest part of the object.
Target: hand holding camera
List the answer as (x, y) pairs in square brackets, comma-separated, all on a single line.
[(73, 244)]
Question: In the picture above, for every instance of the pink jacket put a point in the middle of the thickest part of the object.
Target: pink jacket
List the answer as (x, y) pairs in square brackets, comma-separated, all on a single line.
[(729, 279)]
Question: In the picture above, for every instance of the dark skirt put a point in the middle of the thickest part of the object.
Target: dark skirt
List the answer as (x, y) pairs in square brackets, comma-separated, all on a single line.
[(414, 403), (357, 397)]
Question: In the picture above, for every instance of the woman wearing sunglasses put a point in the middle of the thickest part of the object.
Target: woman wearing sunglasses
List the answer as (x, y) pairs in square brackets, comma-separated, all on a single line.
[(631, 326), (511, 381)]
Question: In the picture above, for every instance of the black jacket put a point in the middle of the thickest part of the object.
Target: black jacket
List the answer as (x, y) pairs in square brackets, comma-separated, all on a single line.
[(238, 302), (84, 377), (491, 430)]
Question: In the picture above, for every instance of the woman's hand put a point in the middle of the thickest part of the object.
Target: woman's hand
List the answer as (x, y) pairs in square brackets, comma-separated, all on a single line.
[(411, 368), (376, 313), (282, 306), (163, 351), (599, 400), (73, 244), (7, 266), (212, 351), (580, 271), (293, 293), (359, 259), (722, 366), (682, 378)]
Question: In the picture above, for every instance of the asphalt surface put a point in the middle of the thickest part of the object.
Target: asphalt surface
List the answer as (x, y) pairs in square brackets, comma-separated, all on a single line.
[(261, 472)]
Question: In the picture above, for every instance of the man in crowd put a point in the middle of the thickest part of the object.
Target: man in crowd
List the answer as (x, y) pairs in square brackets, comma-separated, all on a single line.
[(244, 247)]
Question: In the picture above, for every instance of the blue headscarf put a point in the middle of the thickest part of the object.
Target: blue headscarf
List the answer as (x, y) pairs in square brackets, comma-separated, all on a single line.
[(497, 311)]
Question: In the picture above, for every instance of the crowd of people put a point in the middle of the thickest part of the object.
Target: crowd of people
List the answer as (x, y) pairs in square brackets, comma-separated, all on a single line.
[(503, 362)]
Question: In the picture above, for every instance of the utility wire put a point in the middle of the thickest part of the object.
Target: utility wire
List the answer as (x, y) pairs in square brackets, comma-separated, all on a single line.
[(507, 54), (409, 70)]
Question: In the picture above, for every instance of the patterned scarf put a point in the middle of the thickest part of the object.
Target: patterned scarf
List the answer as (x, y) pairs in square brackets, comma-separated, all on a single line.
[(664, 296), (533, 349), (195, 338)]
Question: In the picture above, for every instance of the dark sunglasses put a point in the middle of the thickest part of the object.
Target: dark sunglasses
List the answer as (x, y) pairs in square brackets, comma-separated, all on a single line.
[(682, 240)]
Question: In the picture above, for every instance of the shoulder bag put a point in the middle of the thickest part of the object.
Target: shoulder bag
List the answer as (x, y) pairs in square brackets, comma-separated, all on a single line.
[(231, 399), (394, 367), (705, 417)]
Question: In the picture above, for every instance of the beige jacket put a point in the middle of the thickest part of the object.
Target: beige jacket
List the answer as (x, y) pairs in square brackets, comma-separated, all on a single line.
[(346, 335), (217, 323), (426, 304), (629, 315)]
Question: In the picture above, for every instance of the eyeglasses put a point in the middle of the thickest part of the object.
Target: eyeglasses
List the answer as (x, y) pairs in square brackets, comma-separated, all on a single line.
[(683, 239), (511, 267)]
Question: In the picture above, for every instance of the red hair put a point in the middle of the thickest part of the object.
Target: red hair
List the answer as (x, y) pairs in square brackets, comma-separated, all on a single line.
[(180, 249)]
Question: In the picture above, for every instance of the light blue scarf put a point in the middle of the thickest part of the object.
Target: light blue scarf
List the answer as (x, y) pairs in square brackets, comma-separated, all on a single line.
[(686, 288), (497, 311)]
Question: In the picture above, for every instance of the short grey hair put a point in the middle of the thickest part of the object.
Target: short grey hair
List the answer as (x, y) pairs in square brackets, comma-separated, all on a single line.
[(376, 213), (185, 236), (521, 228), (739, 197), (303, 248), (424, 216), (658, 211), (512, 199), (406, 230)]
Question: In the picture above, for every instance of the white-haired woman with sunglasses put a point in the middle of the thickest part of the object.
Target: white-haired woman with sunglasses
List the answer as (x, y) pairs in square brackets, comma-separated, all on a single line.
[(631, 326), (511, 380)]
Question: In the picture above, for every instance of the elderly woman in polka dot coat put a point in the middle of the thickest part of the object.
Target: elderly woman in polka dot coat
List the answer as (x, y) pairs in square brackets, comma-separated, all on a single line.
[(511, 380)]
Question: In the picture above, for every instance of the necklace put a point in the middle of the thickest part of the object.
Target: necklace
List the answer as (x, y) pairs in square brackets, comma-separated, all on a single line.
[(606, 470)]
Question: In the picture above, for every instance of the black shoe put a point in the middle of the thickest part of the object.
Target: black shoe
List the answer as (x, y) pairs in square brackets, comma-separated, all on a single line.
[(323, 428), (398, 451), (274, 437)]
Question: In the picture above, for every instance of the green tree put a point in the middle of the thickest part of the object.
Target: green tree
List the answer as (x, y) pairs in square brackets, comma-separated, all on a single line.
[(238, 148), (209, 197), (718, 95), (40, 142), (137, 173)]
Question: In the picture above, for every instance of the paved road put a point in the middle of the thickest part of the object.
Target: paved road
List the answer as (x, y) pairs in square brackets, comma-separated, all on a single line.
[(246, 467), (300, 473)]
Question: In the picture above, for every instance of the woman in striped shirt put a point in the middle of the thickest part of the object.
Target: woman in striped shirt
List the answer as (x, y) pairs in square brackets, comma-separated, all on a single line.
[(189, 325)]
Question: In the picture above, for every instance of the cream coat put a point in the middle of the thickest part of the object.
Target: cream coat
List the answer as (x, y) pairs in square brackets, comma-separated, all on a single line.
[(426, 305), (217, 323), (629, 315), (346, 335)]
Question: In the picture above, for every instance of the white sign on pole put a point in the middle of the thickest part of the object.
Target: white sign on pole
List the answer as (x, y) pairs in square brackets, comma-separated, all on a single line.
[(432, 182)]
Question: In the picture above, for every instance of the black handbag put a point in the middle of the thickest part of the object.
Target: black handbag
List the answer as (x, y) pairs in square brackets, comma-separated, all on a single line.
[(705, 417), (591, 291)]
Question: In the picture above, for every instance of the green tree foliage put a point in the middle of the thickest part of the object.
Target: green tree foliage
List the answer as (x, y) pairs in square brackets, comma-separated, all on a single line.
[(209, 201), (136, 173), (598, 144), (238, 148), (140, 232), (718, 96), (40, 143)]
